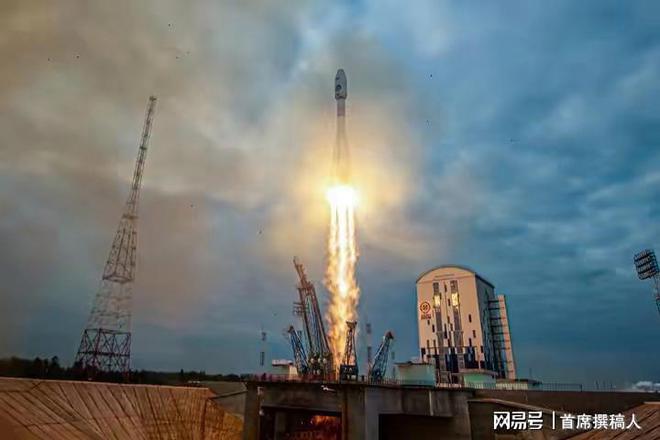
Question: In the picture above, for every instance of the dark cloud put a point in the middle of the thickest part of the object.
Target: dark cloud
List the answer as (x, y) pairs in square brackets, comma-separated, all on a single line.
[(520, 139)]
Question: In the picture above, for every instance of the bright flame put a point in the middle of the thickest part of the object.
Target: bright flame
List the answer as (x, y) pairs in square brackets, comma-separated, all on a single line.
[(325, 425), (342, 258)]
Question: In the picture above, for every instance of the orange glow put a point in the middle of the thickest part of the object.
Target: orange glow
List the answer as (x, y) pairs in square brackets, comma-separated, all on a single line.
[(342, 259), (326, 427)]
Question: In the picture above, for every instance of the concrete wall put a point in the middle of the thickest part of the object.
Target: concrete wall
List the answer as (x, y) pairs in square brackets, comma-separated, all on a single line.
[(363, 409), (401, 426), (383, 412), (229, 395)]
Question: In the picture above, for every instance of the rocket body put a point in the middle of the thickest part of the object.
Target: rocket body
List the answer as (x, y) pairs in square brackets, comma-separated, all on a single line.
[(341, 89), (342, 245), (340, 160)]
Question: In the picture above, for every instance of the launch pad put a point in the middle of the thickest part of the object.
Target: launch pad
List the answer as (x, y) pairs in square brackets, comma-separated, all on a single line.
[(354, 410), (317, 354), (276, 409)]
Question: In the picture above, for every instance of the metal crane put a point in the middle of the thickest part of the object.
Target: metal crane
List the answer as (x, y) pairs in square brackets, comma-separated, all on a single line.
[(299, 356), (378, 369), (320, 360), (348, 370)]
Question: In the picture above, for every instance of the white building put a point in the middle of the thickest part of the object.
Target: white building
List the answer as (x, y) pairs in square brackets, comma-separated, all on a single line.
[(463, 325), (414, 372), (284, 369)]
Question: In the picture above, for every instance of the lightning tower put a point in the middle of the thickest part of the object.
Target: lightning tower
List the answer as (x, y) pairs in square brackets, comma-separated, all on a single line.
[(369, 348), (106, 341)]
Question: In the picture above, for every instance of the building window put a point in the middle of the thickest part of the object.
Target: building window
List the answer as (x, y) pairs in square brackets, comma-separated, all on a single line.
[(470, 342), (453, 284), (423, 352), (428, 344), (469, 317), (445, 284), (474, 333), (448, 302), (436, 288), (428, 322), (433, 328), (481, 348)]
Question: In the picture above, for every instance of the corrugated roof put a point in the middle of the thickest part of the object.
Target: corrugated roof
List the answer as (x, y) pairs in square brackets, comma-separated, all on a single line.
[(54, 410), (647, 417)]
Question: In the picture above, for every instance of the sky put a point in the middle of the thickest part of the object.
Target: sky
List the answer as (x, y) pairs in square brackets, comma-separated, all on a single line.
[(520, 138)]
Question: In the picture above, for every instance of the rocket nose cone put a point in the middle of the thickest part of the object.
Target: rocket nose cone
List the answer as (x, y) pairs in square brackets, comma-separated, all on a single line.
[(341, 89)]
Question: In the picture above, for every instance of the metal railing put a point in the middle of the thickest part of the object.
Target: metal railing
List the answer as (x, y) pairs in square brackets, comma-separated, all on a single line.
[(364, 380), (335, 379), (523, 386)]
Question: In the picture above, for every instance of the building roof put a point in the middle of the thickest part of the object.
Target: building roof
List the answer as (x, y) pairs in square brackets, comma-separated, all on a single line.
[(62, 410), (646, 415), (454, 266)]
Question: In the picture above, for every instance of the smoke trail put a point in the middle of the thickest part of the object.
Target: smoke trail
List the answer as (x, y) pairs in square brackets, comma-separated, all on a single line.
[(342, 259)]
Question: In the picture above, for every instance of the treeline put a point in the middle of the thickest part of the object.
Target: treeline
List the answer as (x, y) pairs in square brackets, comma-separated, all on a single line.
[(45, 368), (36, 368)]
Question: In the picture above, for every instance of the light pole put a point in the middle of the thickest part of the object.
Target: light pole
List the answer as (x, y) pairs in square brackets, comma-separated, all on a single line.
[(647, 267)]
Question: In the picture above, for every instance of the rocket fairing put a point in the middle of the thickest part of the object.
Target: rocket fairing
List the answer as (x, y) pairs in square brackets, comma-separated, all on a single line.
[(341, 89), (340, 158)]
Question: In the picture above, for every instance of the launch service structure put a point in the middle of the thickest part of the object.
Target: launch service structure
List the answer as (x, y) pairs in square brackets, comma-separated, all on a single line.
[(318, 356)]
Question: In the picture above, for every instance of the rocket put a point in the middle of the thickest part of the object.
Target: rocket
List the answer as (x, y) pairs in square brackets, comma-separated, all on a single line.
[(341, 88), (340, 160)]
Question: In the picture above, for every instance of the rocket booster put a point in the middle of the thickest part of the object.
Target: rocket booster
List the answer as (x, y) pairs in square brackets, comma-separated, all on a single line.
[(340, 159)]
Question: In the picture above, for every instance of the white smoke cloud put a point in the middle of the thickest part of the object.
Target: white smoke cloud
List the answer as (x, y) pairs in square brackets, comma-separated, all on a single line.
[(238, 160)]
